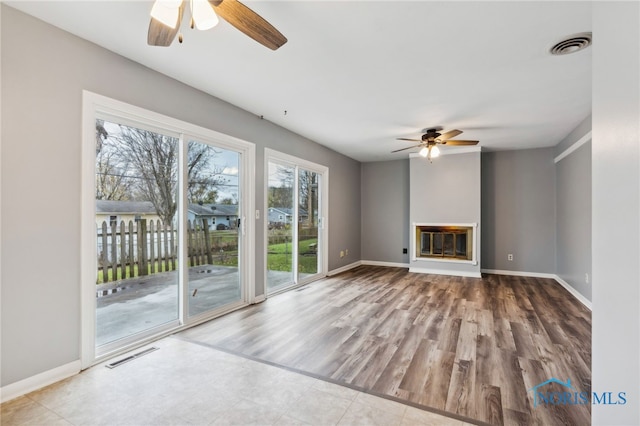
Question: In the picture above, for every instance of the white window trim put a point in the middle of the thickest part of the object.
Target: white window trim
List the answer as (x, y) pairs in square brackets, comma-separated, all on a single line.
[(98, 106), (271, 155)]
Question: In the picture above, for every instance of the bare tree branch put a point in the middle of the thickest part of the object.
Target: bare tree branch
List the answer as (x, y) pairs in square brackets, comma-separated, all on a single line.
[(133, 163)]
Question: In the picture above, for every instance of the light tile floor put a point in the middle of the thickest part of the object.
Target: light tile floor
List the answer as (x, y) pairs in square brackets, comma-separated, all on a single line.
[(185, 383)]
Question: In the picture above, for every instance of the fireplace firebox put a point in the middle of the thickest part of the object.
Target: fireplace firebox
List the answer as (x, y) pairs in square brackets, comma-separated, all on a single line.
[(444, 242)]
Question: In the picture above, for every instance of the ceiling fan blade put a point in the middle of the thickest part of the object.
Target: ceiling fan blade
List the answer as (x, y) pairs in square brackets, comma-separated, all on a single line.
[(459, 142), (161, 35), (448, 135), (404, 149), (410, 140), (249, 22)]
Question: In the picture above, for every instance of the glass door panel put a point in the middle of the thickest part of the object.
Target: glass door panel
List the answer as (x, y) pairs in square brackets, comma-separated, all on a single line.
[(294, 208), (212, 227), (164, 239), (136, 230), (280, 226), (307, 223)]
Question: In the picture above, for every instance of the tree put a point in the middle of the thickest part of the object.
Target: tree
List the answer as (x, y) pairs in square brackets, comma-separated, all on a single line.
[(204, 177), (280, 196), (147, 164), (152, 160), (308, 193), (231, 200), (209, 197), (111, 180), (101, 135)]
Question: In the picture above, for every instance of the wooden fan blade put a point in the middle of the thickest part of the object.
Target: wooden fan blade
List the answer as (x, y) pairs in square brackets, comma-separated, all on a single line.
[(459, 142), (249, 22), (410, 140), (161, 35), (404, 149), (448, 135)]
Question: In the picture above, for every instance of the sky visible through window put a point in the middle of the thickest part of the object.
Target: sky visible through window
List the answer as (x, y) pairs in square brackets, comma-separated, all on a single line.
[(121, 165)]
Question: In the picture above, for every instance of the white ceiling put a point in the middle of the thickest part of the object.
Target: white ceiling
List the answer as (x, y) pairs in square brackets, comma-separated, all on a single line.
[(355, 75)]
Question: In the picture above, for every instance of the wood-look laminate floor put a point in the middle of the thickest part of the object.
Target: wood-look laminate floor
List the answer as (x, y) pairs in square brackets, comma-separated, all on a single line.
[(466, 346)]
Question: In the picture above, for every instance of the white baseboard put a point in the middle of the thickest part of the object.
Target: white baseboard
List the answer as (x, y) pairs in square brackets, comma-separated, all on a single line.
[(555, 277), (518, 273), (38, 381), (389, 264), (469, 274), (586, 302), (344, 268)]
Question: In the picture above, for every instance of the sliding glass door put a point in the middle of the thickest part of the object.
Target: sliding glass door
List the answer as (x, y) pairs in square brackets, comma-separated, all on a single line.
[(295, 250), (213, 220), (136, 200), (164, 236), (308, 200), (280, 226)]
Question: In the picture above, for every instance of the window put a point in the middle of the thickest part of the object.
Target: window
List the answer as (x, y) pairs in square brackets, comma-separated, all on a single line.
[(296, 250), (140, 160)]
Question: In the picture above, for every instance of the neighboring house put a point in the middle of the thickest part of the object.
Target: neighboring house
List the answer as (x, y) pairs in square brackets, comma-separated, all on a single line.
[(218, 215), (279, 216), (116, 211)]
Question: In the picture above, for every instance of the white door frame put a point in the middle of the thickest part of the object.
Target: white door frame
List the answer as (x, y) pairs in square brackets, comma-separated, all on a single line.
[(98, 106), (274, 156)]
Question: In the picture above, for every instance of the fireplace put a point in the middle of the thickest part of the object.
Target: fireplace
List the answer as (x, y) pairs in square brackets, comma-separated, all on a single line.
[(445, 242)]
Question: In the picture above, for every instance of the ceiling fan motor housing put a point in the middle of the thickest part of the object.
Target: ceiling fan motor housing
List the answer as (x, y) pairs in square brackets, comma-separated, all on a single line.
[(430, 135)]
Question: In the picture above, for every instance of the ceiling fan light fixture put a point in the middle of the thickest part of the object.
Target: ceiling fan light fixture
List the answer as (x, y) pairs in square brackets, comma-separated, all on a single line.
[(165, 26), (203, 14), (424, 151), (435, 151), (166, 12)]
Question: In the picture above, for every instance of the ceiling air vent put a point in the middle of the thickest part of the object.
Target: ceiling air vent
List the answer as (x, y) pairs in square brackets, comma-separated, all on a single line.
[(572, 44)]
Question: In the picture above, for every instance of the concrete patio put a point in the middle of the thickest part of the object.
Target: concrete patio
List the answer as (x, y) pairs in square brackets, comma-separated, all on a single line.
[(134, 305)]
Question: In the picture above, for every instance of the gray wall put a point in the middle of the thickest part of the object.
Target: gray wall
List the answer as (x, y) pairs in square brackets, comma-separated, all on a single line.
[(385, 202), (576, 134), (573, 219), (616, 209), (44, 71), (518, 210), (446, 191), (344, 209)]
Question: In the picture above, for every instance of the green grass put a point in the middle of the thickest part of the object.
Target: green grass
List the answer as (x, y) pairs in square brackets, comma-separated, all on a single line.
[(278, 259)]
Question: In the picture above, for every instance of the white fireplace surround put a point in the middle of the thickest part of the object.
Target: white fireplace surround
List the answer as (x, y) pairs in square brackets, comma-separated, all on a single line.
[(474, 242)]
